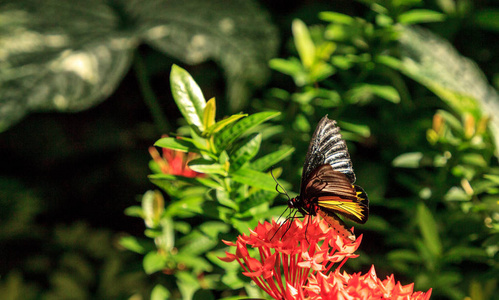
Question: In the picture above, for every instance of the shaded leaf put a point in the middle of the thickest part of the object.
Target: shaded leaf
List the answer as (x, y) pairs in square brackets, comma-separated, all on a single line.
[(487, 19), (245, 151), (254, 178), (58, 56), (269, 160), (434, 62), (429, 230), (237, 34)]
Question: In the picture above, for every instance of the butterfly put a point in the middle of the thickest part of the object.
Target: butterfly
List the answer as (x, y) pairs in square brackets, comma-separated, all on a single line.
[(327, 183)]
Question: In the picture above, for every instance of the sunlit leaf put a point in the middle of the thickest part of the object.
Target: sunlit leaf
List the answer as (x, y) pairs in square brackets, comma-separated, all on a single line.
[(223, 123), (408, 160), (188, 96), (229, 134), (415, 16), (303, 42), (336, 17), (131, 243), (153, 262), (209, 113), (202, 165), (182, 144), (160, 292)]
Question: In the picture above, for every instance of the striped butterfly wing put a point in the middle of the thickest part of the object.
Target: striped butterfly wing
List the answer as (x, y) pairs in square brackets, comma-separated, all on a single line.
[(327, 147)]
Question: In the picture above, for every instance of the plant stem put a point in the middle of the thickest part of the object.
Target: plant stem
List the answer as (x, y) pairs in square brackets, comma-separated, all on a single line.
[(159, 119)]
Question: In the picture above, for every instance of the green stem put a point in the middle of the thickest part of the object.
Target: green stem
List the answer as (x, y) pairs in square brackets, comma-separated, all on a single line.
[(159, 119)]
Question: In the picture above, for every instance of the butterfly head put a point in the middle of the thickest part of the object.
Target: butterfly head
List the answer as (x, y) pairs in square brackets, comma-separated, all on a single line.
[(295, 202)]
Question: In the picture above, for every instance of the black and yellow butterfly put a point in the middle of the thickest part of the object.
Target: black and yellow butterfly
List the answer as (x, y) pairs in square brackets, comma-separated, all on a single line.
[(327, 183)]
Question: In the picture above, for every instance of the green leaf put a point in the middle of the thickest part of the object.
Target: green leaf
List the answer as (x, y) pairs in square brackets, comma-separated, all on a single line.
[(420, 16), (213, 229), (487, 19), (209, 113), (153, 262), (202, 165), (223, 123), (228, 135), (408, 160), (433, 62), (131, 243), (187, 283), (429, 230), (159, 178), (335, 17), (245, 150), (254, 178), (257, 198), (176, 144), (291, 66), (134, 211), (197, 264), (160, 292), (269, 160), (188, 96), (153, 206), (222, 197), (238, 35), (303, 42), (57, 56), (405, 255)]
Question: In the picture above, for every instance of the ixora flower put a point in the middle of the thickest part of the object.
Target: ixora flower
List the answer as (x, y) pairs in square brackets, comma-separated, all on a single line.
[(174, 162), (296, 261)]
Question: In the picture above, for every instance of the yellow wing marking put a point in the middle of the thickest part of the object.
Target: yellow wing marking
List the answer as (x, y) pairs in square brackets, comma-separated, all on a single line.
[(345, 206)]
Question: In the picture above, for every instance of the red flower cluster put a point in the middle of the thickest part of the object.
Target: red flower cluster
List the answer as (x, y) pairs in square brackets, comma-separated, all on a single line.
[(174, 162), (295, 258)]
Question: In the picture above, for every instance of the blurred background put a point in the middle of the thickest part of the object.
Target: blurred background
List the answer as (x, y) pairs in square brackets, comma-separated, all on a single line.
[(84, 92)]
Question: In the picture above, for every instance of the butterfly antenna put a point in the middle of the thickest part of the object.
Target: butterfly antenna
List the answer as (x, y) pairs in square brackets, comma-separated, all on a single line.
[(277, 186)]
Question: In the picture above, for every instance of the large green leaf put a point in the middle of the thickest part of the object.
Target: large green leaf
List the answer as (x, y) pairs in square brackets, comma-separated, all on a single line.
[(433, 62), (230, 134), (237, 34), (56, 55), (188, 96)]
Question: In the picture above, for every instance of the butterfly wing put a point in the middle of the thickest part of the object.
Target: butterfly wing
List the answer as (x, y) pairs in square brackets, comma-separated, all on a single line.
[(327, 147), (332, 191)]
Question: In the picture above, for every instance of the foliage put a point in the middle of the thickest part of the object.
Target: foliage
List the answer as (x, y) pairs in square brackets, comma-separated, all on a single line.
[(407, 80), (228, 190), (62, 57)]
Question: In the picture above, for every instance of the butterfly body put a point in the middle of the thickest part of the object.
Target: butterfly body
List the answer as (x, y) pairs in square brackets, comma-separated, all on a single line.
[(327, 186)]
